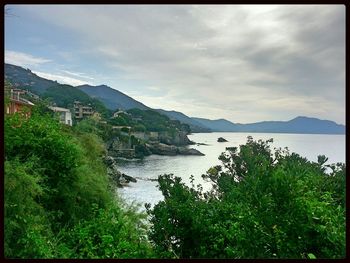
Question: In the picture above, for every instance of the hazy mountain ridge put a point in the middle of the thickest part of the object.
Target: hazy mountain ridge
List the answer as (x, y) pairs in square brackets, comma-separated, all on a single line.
[(194, 125), (216, 125), (299, 124)]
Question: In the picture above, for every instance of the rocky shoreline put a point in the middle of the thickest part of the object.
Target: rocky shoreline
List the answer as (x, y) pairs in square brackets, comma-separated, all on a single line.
[(115, 176), (171, 150), (120, 179), (117, 149)]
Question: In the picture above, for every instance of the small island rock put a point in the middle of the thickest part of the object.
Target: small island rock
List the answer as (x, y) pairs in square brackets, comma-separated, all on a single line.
[(220, 139), (164, 149)]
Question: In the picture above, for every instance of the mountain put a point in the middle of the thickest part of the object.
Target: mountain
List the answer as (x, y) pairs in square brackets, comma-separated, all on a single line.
[(64, 95), (217, 125), (299, 124), (113, 99), (194, 125), (26, 79)]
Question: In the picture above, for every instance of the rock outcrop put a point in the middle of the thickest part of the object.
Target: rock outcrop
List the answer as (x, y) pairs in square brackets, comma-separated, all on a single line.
[(118, 178), (189, 151), (200, 143), (179, 138), (220, 139), (118, 148), (164, 149)]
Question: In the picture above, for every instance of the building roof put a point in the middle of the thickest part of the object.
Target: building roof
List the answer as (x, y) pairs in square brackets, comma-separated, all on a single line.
[(120, 127), (22, 101), (59, 109)]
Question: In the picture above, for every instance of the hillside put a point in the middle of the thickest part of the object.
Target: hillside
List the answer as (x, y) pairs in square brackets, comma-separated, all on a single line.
[(61, 94), (194, 125), (217, 125), (65, 95), (112, 98), (26, 79)]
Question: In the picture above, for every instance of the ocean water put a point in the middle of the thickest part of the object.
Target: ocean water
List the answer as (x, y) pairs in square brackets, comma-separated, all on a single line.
[(146, 191)]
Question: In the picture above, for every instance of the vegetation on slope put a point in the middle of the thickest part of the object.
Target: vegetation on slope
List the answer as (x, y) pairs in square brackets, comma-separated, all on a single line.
[(65, 95), (58, 203), (26, 79), (262, 205)]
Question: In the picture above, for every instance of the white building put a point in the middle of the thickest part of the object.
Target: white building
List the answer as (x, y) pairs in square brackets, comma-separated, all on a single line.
[(64, 114)]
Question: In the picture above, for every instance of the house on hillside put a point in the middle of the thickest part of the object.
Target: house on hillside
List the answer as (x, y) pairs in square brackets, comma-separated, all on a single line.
[(65, 116), (34, 96), (137, 119), (96, 115), (152, 136), (122, 129), (81, 111), (140, 135), (118, 112), (17, 103)]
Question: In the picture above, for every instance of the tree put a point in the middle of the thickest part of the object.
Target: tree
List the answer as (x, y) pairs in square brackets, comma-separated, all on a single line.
[(262, 205), (58, 202)]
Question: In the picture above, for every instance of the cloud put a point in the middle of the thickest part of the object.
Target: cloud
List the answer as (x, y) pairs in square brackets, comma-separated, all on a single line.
[(77, 74), (23, 59), (61, 78), (243, 62)]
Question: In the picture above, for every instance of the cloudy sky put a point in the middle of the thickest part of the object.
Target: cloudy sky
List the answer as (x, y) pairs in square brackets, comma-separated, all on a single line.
[(240, 62)]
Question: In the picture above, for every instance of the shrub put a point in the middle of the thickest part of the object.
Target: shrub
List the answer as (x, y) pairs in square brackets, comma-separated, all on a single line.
[(27, 231), (57, 195), (262, 205), (110, 233)]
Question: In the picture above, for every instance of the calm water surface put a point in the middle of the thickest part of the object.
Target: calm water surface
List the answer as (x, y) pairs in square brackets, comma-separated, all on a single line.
[(145, 191)]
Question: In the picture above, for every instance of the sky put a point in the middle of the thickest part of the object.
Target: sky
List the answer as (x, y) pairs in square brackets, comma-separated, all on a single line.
[(244, 63)]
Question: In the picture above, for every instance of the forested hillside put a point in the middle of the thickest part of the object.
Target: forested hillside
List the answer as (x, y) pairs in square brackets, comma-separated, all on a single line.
[(59, 202), (65, 95), (26, 79), (112, 98)]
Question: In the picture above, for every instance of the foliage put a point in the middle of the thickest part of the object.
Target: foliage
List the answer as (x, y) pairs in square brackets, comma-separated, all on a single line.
[(102, 130), (154, 121), (262, 205), (57, 192), (27, 230), (108, 134), (65, 95), (139, 127), (118, 121), (111, 233), (40, 138)]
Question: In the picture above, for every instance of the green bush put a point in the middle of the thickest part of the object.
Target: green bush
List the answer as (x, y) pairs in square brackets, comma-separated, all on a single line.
[(27, 230), (262, 205), (111, 233), (41, 137), (57, 190)]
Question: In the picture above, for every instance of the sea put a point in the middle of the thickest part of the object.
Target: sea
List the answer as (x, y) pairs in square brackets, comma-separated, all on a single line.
[(146, 171)]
